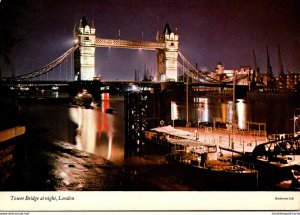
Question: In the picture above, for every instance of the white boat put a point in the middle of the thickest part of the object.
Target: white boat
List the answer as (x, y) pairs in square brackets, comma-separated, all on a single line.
[(83, 99)]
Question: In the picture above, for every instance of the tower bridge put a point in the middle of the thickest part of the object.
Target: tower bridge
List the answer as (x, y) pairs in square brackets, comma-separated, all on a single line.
[(169, 60), (166, 47)]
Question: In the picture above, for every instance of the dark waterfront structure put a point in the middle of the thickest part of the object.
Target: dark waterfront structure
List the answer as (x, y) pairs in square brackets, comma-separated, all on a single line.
[(11, 131), (148, 105), (141, 113)]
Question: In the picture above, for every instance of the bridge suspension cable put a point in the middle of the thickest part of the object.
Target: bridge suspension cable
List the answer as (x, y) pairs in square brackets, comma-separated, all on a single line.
[(47, 68), (191, 71), (196, 74)]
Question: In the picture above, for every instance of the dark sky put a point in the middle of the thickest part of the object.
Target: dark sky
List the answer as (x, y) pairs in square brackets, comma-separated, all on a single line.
[(209, 31)]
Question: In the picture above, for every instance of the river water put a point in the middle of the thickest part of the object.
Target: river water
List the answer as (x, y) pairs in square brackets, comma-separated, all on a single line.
[(102, 133)]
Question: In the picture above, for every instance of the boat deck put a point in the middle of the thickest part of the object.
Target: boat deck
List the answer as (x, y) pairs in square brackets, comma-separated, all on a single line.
[(228, 141)]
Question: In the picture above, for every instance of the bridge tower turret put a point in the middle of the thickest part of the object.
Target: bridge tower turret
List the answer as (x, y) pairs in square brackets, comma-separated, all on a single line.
[(167, 58), (84, 57)]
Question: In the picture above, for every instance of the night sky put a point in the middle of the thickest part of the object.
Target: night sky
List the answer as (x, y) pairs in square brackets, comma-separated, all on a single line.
[(209, 31)]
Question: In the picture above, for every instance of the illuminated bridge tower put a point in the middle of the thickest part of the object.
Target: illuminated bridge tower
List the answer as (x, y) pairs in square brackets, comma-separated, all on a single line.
[(167, 57), (84, 56)]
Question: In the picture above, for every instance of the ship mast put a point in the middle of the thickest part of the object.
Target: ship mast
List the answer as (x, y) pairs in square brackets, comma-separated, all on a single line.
[(269, 67), (280, 65), (255, 74), (270, 75), (233, 107)]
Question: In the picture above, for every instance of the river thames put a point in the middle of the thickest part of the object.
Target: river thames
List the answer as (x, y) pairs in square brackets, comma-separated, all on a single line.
[(102, 132)]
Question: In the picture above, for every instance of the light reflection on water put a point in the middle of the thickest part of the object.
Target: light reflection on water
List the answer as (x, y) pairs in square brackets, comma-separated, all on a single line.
[(205, 110), (241, 110), (102, 133), (277, 115), (99, 132)]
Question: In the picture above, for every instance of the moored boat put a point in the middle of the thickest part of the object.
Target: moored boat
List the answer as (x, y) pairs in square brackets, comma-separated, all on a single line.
[(83, 99), (203, 166), (211, 172)]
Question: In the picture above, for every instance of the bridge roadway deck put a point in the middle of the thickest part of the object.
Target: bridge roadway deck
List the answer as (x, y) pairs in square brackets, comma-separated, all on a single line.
[(111, 82)]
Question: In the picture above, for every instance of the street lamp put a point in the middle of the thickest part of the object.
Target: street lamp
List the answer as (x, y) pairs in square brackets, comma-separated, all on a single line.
[(187, 100), (201, 110)]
